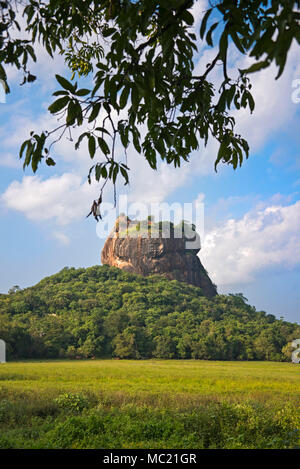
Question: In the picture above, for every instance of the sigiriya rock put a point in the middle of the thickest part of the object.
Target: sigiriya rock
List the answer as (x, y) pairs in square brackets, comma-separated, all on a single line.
[(147, 248)]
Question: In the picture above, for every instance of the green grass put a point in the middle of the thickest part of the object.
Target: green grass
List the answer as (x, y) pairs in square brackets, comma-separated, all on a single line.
[(149, 404)]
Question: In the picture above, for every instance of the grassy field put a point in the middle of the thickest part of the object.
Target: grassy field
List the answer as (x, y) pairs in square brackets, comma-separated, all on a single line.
[(149, 404)]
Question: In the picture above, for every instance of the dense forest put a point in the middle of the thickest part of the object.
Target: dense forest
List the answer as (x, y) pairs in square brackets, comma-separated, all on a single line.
[(103, 311)]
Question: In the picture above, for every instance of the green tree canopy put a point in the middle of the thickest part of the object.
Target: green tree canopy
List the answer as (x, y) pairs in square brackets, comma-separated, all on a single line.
[(140, 56), (106, 312)]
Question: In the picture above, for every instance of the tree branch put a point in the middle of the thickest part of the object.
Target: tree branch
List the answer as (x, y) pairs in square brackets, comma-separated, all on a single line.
[(185, 6)]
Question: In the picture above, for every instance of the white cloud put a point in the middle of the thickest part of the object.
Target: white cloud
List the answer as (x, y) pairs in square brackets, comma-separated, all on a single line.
[(150, 186), (19, 127), (198, 9), (10, 160), (61, 237), (63, 198), (236, 250), (16, 127), (274, 108), (20, 121)]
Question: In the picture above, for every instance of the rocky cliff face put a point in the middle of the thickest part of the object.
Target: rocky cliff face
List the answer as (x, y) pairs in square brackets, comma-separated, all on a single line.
[(134, 250)]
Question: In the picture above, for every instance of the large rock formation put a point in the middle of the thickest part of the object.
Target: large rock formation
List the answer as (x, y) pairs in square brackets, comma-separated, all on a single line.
[(133, 247)]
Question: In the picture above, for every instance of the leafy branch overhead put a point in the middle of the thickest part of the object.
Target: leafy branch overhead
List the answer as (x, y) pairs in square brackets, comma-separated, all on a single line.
[(140, 57)]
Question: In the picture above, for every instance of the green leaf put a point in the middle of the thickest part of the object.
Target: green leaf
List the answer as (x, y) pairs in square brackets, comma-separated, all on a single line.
[(72, 113), (82, 92), (31, 78), (29, 151), (222, 153), (115, 173), (31, 52), (103, 130), (124, 96), (237, 41), (77, 144), (223, 45), (123, 131), (209, 34), (204, 22), (98, 171), (59, 104), (60, 93), (23, 146), (65, 83), (2, 73), (244, 99), (108, 32), (104, 172), (103, 145), (135, 98), (188, 17), (256, 67), (50, 162), (230, 95), (283, 47), (136, 137), (95, 112), (92, 146), (125, 175), (251, 102)]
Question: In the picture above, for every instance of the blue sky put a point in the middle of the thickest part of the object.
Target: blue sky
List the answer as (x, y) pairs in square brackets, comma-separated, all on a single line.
[(252, 215)]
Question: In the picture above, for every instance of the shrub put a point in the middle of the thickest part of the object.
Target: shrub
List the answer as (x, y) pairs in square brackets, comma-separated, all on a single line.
[(5, 410), (72, 402)]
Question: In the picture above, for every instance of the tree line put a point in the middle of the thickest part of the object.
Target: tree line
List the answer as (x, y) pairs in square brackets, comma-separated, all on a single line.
[(103, 311)]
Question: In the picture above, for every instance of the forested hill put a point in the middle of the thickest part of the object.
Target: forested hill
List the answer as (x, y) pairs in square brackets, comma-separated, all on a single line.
[(105, 312)]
